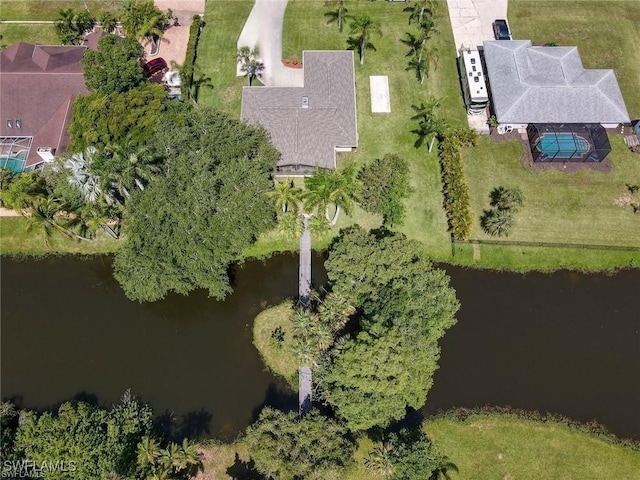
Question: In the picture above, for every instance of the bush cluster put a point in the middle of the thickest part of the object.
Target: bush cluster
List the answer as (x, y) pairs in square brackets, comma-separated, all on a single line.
[(457, 202), (187, 70)]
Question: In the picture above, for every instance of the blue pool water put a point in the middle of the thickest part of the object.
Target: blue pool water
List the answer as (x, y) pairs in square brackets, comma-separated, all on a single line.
[(562, 145), (14, 163)]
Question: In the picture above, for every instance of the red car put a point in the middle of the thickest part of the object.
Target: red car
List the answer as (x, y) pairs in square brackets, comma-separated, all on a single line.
[(154, 66)]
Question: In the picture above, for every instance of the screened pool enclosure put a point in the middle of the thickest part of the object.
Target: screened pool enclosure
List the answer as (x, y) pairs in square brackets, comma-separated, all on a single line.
[(568, 142)]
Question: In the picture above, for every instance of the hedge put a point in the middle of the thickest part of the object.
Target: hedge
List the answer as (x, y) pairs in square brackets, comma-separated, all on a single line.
[(187, 70), (457, 202)]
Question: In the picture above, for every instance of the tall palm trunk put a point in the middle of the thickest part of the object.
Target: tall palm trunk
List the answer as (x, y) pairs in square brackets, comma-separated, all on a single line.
[(363, 47), (334, 220)]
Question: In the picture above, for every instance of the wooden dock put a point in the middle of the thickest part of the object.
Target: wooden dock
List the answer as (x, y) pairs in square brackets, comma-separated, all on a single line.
[(305, 389), (304, 280)]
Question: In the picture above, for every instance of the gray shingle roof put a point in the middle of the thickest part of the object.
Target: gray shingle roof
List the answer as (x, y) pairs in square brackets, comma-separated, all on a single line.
[(308, 136), (37, 85), (549, 85)]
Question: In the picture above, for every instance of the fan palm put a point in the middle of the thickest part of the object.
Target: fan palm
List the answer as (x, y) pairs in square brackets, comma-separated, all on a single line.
[(81, 177), (363, 27), (380, 459), (249, 61), (497, 222)]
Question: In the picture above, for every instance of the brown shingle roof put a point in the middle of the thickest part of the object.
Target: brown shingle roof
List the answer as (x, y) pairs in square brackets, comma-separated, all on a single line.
[(37, 85), (308, 136)]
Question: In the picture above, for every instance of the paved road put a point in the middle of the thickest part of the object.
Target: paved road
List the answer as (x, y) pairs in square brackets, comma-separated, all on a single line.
[(264, 28)]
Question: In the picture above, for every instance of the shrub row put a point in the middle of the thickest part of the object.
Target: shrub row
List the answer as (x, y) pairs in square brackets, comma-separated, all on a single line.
[(461, 414), (457, 203), (187, 70)]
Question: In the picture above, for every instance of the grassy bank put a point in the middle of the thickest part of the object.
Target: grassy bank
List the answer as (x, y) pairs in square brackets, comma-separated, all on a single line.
[(493, 446), (15, 239), (277, 357), (483, 447)]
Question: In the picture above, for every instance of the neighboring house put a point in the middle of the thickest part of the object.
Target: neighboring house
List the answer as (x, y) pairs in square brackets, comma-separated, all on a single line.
[(309, 124), (37, 85), (549, 85), (547, 93)]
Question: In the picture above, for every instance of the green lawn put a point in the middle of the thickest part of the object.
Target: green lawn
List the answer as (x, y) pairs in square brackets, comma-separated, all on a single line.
[(217, 54), (607, 34), (44, 34), (489, 447), (560, 207), (14, 239), (508, 448), (48, 9)]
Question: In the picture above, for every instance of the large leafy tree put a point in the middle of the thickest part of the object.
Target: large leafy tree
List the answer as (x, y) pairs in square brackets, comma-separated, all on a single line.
[(362, 29), (406, 305), (385, 184), (287, 447), (117, 118), (100, 442), (114, 66), (186, 228)]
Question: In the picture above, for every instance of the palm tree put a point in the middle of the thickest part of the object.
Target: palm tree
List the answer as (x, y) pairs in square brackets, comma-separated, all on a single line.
[(420, 66), (171, 456), (428, 124), (148, 451), (290, 225), (66, 28), (363, 27), (443, 465), (46, 214), (129, 167), (285, 196), (108, 22), (249, 61), (325, 188), (497, 222), (319, 226), (80, 176), (338, 15), (421, 8), (507, 198), (190, 456), (380, 459)]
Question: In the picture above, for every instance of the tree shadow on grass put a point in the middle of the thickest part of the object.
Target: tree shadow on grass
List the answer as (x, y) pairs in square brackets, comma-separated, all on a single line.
[(241, 470)]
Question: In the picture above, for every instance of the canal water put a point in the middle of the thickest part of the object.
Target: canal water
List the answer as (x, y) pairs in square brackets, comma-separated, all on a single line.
[(565, 343)]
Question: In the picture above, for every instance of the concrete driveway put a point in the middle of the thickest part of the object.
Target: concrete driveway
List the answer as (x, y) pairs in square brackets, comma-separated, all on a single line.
[(472, 20), (264, 28)]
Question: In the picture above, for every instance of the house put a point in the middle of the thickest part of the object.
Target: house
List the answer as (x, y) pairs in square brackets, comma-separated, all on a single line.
[(37, 85), (309, 124), (549, 85), (547, 93)]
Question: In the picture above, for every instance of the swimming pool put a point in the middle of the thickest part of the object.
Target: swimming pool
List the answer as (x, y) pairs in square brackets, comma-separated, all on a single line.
[(14, 163), (562, 145)]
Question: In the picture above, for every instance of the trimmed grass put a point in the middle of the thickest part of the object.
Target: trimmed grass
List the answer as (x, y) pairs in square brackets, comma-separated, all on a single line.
[(484, 447), (501, 447), (16, 240), (48, 9), (606, 33), (217, 54), (44, 34), (279, 360), (561, 207)]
